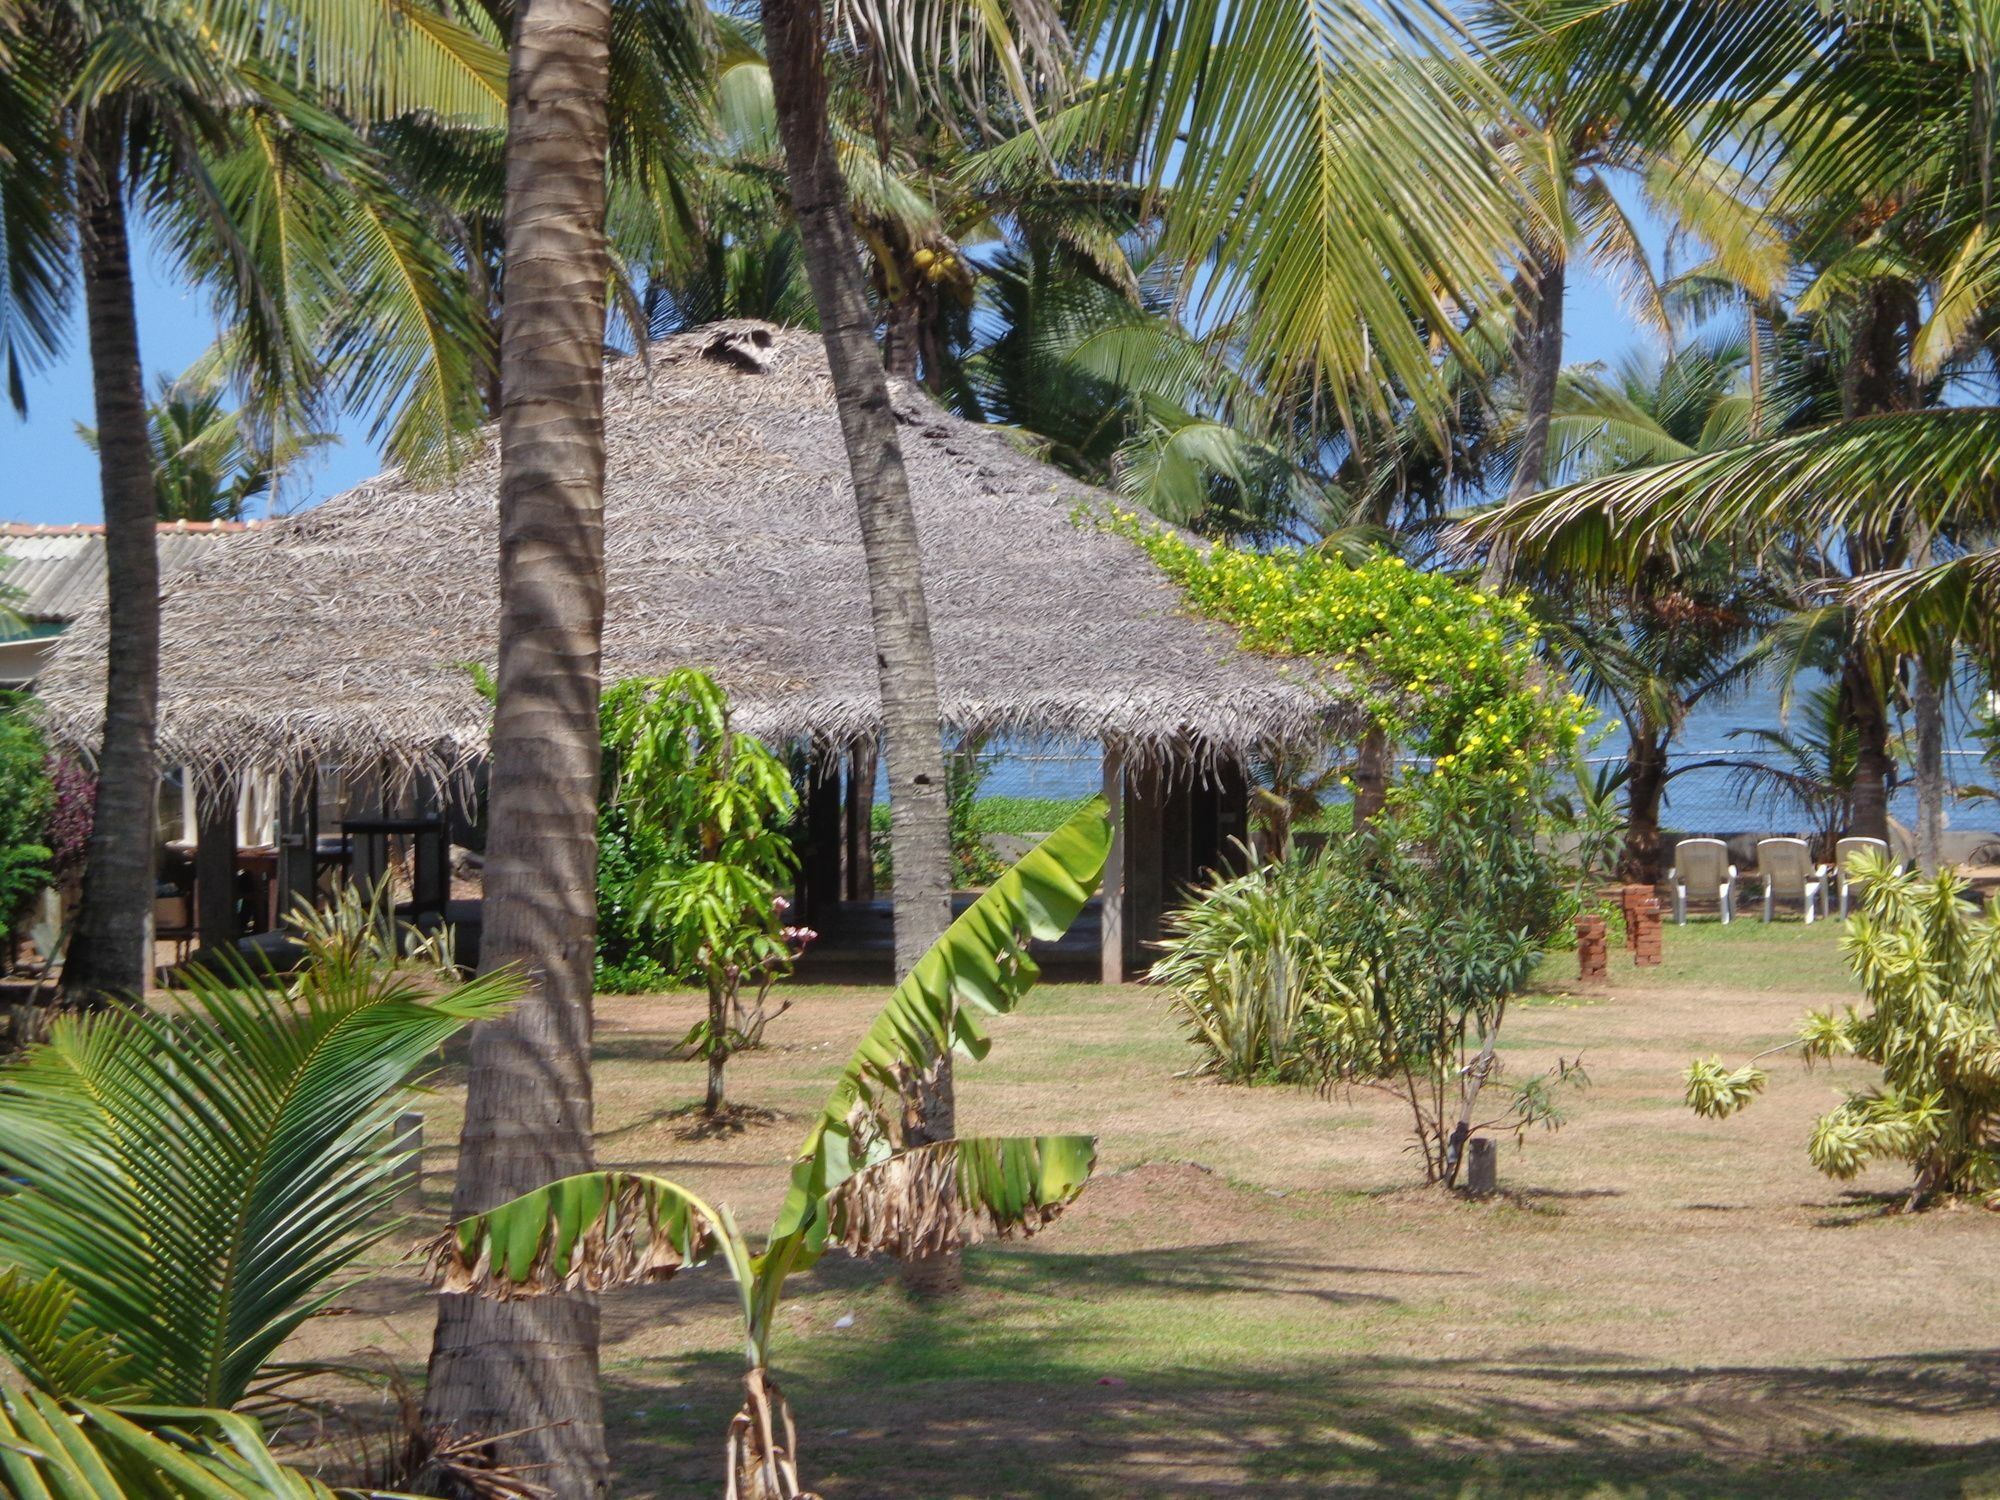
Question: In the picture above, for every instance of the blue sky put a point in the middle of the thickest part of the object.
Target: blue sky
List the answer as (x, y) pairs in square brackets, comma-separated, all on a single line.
[(53, 477)]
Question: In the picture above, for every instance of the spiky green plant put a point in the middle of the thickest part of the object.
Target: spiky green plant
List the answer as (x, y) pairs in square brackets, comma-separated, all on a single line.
[(197, 1179), (1929, 966)]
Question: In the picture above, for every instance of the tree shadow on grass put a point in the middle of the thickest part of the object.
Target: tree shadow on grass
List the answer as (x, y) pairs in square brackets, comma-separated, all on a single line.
[(1439, 1430), (983, 1398)]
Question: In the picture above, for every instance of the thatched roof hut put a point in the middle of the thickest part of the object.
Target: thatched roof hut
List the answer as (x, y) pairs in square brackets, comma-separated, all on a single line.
[(336, 636)]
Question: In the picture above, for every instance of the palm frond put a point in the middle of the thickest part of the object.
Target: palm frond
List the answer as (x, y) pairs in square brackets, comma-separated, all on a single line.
[(1330, 164), (1929, 472), (198, 1178)]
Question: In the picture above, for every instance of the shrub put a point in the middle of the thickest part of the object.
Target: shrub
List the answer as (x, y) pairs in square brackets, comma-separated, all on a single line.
[(1437, 916), (1929, 966), (1245, 961), (27, 799), (697, 812), (1386, 962)]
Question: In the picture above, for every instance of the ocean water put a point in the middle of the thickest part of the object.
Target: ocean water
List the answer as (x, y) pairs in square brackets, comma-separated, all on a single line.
[(1708, 799)]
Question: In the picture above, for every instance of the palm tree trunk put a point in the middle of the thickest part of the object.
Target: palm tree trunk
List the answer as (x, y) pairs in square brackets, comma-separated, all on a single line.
[(1861, 701), (110, 949), (1645, 781), (1538, 353), (1929, 705), (919, 820), (529, 1368), (1371, 776)]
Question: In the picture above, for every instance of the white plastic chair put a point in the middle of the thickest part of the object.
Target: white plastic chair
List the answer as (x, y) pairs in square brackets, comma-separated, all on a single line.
[(1790, 874), (1702, 866), (1845, 880)]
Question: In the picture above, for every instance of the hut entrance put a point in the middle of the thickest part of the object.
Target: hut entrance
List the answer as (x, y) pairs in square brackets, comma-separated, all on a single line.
[(1176, 820)]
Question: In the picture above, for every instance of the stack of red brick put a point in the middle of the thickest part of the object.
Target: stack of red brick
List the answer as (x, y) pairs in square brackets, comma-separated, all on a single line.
[(1591, 946), (1642, 924)]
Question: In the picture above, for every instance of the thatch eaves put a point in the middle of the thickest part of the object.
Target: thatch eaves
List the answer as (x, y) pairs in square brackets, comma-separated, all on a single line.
[(731, 543)]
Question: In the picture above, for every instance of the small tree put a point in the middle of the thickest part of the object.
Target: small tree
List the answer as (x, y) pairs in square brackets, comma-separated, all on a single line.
[(703, 808), (1929, 966), (1437, 916)]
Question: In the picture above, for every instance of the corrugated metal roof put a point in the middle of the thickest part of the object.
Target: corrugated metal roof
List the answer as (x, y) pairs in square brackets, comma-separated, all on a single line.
[(56, 573)]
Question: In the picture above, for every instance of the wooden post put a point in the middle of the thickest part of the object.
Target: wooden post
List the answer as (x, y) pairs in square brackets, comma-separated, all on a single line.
[(1482, 1167), (298, 843), (1111, 894), (407, 1142), (819, 859), (215, 863), (1145, 861), (368, 862), (859, 861)]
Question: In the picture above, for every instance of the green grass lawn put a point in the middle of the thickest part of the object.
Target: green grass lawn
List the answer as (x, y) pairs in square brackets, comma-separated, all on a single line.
[(1257, 1298)]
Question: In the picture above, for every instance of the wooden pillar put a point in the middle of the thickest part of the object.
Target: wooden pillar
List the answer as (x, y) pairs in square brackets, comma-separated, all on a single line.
[(859, 858), (215, 863), (298, 843), (1219, 822), (368, 862), (1145, 861), (430, 851), (819, 856), (1112, 898), (1179, 794)]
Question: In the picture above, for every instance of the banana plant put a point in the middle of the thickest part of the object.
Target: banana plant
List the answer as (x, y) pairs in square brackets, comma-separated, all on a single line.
[(854, 1182)]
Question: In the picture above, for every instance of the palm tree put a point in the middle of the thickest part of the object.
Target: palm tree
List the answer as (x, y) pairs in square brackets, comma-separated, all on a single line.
[(529, 1369), (1575, 141), (1658, 644), (1894, 221), (208, 462), (919, 813), (187, 1189), (107, 105)]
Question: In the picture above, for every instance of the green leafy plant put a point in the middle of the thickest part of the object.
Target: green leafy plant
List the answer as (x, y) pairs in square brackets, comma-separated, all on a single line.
[(27, 799), (1449, 673), (857, 1180), (1434, 919), (699, 854), (187, 1189), (1245, 961), (1929, 966)]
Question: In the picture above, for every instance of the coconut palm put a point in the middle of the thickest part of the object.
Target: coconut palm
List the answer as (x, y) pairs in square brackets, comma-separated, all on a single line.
[(208, 462), (1895, 222), (108, 104), (1570, 150), (530, 1369), (1657, 644)]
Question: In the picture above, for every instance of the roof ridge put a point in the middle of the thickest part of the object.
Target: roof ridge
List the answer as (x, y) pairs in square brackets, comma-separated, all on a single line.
[(96, 528)]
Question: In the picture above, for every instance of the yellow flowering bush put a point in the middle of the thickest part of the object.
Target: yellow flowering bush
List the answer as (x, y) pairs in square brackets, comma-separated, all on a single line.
[(1449, 673)]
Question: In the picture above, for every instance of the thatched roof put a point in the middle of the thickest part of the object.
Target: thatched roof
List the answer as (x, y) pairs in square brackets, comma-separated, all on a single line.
[(732, 544)]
